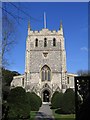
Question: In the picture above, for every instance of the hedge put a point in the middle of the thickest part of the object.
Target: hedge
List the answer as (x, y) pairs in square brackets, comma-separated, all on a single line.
[(34, 101), (68, 105), (19, 106), (64, 102), (56, 100)]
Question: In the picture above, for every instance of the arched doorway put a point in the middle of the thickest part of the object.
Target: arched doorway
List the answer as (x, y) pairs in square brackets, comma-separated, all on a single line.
[(46, 96)]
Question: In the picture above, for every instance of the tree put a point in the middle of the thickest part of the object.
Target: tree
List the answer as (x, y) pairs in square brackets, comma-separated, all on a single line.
[(84, 111), (7, 77), (8, 33), (56, 100), (18, 103), (82, 84), (34, 101), (68, 105), (9, 22), (9, 28), (83, 73)]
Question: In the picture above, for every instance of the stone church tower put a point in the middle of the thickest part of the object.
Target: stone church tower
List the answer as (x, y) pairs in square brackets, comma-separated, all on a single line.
[(45, 66)]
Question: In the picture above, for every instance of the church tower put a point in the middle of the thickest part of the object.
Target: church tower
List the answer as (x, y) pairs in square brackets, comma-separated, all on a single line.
[(45, 65)]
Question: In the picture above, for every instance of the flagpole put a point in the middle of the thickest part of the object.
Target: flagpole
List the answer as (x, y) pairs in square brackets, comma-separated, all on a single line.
[(44, 20)]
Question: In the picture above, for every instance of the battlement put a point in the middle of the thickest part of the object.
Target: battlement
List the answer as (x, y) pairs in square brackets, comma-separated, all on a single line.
[(45, 32)]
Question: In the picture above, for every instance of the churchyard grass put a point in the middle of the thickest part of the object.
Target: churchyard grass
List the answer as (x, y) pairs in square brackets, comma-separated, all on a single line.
[(63, 117), (32, 115)]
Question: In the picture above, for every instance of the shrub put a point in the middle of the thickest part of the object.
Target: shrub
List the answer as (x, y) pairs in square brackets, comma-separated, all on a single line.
[(56, 100), (34, 100), (19, 106), (68, 105), (20, 111)]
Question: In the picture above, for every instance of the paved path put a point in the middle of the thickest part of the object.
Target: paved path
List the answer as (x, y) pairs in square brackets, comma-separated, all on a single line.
[(44, 113)]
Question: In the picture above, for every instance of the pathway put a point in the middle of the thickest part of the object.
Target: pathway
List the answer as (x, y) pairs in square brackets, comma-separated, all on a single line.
[(44, 113)]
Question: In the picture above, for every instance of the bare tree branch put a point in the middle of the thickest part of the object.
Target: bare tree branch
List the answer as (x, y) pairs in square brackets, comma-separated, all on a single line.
[(8, 23), (8, 32), (83, 72)]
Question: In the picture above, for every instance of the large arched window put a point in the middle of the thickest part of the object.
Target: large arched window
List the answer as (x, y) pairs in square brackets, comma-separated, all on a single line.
[(45, 73), (45, 42), (54, 42), (36, 42)]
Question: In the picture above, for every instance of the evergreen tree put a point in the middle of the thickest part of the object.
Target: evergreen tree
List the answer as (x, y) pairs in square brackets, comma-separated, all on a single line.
[(68, 105)]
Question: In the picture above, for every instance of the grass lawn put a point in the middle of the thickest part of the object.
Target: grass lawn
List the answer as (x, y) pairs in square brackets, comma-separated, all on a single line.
[(63, 117), (32, 115)]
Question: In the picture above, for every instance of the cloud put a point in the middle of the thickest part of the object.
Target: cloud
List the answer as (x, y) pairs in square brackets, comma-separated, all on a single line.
[(84, 49)]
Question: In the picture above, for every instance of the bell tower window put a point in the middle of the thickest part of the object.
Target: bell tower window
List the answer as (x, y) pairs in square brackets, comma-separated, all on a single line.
[(45, 42), (54, 42), (36, 42)]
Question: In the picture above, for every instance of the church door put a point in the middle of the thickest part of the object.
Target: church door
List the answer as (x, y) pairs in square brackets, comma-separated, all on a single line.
[(46, 96)]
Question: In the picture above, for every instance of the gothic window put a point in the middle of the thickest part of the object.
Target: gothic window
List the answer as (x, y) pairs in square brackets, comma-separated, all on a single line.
[(45, 42), (68, 80), (36, 42), (22, 81), (42, 75), (46, 73), (54, 42)]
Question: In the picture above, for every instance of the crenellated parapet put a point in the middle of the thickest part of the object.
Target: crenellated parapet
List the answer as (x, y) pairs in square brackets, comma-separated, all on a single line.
[(45, 32)]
